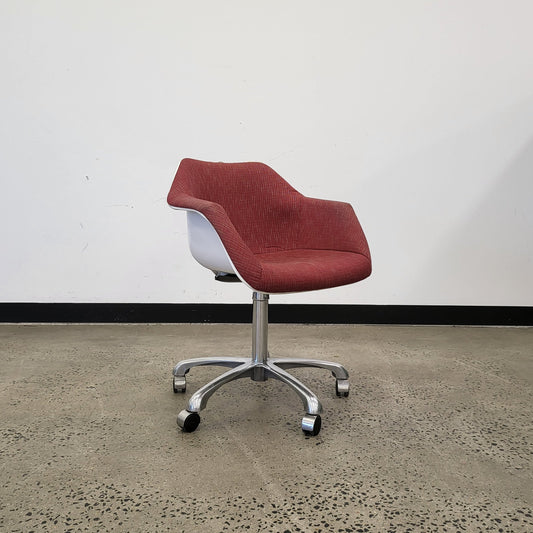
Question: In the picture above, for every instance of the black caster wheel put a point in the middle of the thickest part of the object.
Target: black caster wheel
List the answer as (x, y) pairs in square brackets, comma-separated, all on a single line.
[(188, 421), (342, 388), (311, 425), (179, 384)]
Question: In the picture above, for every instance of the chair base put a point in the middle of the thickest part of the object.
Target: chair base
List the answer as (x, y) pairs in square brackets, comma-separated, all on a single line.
[(259, 367)]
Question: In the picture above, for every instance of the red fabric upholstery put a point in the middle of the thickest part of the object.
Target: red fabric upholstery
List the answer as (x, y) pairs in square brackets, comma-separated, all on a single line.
[(278, 239)]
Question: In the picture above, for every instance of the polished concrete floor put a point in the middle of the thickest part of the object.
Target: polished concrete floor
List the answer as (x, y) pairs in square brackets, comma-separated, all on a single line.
[(436, 434)]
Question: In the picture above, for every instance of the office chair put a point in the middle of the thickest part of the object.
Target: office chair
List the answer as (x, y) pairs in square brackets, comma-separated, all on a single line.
[(246, 223)]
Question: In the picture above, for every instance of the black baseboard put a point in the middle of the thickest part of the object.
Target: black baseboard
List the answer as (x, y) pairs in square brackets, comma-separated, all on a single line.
[(278, 313)]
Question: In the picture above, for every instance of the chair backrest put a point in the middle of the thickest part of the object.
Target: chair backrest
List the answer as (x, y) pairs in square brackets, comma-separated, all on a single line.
[(262, 206)]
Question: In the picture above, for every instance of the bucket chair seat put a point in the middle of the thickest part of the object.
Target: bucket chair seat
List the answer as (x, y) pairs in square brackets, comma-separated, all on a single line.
[(246, 223)]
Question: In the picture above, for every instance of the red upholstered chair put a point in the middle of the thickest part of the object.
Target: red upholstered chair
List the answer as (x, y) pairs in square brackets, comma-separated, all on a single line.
[(246, 223)]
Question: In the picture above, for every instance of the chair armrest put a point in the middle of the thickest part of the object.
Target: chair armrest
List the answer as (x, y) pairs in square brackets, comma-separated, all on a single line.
[(240, 254), (332, 225)]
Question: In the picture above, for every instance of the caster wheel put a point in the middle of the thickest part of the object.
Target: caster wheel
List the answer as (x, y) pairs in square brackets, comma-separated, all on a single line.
[(342, 388), (179, 384), (311, 425), (188, 421)]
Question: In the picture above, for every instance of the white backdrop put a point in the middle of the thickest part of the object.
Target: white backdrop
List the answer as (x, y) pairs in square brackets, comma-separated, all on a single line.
[(419, 113)]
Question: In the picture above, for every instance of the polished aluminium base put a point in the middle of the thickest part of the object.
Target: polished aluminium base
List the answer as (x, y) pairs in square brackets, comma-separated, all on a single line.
[(259, 367)]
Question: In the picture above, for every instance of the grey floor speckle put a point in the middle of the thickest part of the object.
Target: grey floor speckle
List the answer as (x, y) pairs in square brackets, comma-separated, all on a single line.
[(436, 434)]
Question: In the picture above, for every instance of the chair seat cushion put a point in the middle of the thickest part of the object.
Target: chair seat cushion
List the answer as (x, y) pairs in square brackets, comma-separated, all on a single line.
[(304, 270)]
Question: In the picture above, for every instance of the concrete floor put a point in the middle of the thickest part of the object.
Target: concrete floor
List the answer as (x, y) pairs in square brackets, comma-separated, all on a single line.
[(436, 434)]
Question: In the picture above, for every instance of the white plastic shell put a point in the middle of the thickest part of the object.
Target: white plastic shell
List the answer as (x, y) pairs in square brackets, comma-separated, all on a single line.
[(205, 244)]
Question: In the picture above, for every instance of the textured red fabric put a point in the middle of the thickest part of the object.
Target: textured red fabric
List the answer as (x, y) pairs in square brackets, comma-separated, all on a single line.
[(278, 239)]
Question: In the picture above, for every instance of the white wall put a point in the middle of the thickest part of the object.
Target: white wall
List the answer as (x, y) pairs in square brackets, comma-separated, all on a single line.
[(419, 113)]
